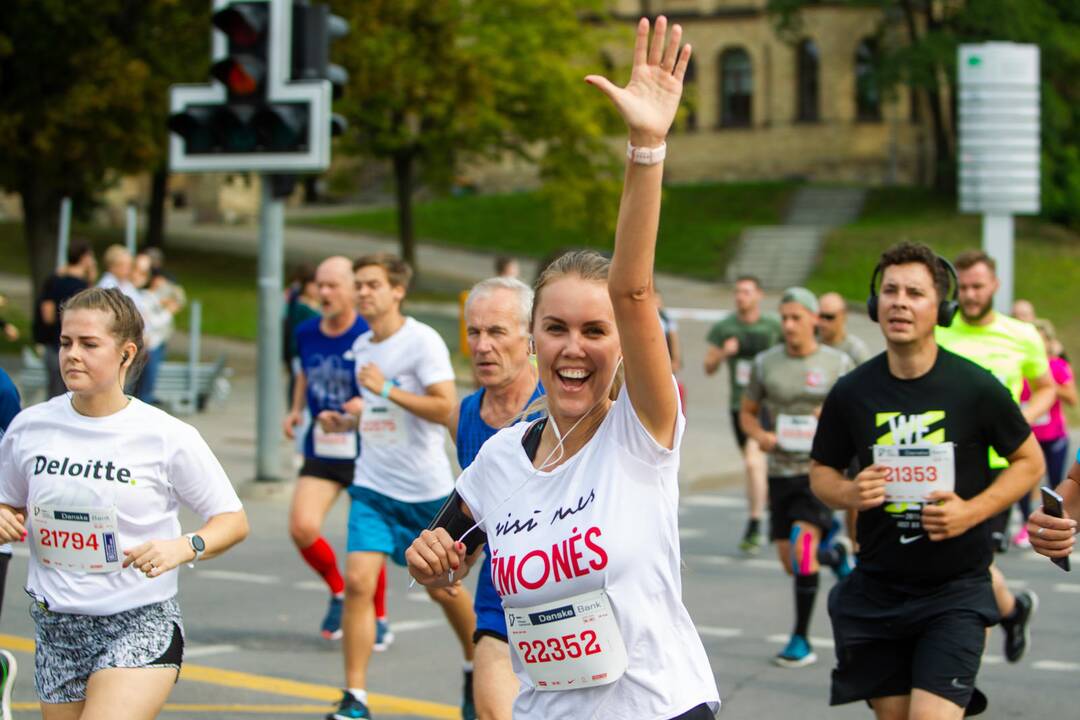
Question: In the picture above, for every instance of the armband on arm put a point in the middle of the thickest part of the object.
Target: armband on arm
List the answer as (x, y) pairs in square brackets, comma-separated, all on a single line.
[(456, 523)]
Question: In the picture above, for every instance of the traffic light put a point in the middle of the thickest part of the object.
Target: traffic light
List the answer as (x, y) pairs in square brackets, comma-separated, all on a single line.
[(269, 109)]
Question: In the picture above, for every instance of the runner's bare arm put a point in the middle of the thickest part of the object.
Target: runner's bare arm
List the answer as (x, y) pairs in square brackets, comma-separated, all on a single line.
[(434, 406), (12, 527), (452, 422), (220, 533), (947, 515), (295, 412), (866, 491), (1043, 397), (714, 358), (1066, 392), (434, 554), (648, 105), (749, 421), (1055, 537)]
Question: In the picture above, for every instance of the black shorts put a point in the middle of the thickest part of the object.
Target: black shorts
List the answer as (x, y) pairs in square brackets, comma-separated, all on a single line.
[(740, 436), (890, 640), (339, 472), (791, 501)]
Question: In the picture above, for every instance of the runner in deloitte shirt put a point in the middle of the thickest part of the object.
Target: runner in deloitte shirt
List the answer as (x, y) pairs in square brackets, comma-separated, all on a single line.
[(790, 382), (497, 314), (737, 339), (580, 509), (99, 478), (912, 616)]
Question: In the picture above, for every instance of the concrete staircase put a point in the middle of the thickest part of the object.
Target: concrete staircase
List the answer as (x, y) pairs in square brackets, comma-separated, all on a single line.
[(784, 255)]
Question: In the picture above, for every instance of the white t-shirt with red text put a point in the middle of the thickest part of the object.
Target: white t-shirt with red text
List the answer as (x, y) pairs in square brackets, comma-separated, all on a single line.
[(606, 518), (141, 461)]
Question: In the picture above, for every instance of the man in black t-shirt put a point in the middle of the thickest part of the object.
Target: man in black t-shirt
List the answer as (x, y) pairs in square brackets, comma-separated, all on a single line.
[(78, 274), (910, 621)]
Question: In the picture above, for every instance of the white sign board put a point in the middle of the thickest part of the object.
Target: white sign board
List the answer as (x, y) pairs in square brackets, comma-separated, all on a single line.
[(998, 93)]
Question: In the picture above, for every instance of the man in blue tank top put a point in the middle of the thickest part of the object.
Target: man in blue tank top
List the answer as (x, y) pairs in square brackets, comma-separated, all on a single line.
[(326, 381), (497, 321)]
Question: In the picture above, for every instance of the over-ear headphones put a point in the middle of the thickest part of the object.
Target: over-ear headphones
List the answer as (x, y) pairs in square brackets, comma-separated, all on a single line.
[(947, 308)]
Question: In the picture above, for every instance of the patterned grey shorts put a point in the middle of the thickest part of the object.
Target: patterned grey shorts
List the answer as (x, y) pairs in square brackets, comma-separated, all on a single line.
[(71, 648)]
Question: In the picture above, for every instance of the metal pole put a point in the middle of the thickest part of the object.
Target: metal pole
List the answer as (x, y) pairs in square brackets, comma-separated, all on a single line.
[(269, 406), (997, 240), (64, 239), (194, 350), (130, 228)]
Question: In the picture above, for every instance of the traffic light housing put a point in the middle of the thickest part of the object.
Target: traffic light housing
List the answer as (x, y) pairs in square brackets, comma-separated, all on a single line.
[(269, 109)]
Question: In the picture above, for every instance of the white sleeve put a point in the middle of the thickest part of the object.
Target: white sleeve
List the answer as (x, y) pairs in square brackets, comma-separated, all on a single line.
[(469, 486), (633, 437), (14, 487), (197, 477), (433, 364)]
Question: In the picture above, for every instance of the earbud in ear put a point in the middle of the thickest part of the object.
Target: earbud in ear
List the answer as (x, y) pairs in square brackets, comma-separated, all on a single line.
[(123, 358)]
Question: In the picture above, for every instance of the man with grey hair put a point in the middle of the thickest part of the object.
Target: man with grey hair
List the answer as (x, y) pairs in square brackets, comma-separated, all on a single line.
[(497, 314)]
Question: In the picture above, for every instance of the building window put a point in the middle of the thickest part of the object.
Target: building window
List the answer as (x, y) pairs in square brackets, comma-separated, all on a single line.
[(809, 62), (736, 88), (867, 92)]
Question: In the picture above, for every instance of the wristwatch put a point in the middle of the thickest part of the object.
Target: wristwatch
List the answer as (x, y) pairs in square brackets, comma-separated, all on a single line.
[(198, 546), (646, 156)]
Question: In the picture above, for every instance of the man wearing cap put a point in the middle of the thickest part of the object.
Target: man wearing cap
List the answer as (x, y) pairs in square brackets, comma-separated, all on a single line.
[(791, 381)]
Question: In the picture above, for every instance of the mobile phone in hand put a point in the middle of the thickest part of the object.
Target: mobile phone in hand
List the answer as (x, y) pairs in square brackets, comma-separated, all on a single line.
[(1054, 506)]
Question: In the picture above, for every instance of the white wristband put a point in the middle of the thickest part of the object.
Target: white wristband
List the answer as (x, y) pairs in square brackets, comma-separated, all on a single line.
[(646, 156)]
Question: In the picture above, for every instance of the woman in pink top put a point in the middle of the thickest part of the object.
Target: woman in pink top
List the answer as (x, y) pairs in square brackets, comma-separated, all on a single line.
[(1050, 429)]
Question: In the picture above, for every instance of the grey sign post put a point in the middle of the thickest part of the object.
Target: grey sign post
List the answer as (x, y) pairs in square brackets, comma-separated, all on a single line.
[(999, 145)]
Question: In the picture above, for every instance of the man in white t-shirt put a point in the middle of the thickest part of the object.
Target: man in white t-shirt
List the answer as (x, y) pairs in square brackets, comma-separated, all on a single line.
[(404, 476)]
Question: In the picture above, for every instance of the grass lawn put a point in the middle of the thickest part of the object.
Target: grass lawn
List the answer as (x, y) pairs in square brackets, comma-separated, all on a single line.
[(225, 284), (697, 230), (1047, 255)]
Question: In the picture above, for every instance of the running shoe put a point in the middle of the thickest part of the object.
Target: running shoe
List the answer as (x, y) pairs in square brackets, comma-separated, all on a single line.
[(331, 624), (384, 636), (751, 543), (1018, 629), (468, 708), (8, 670), (798, 653), (1021, 539), (349, 709)]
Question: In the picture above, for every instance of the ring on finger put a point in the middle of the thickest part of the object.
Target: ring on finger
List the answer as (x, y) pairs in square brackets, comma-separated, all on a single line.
[(1039, 532)]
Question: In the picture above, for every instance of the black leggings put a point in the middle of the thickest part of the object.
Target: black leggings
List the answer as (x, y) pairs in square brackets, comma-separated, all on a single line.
[(701, 712)]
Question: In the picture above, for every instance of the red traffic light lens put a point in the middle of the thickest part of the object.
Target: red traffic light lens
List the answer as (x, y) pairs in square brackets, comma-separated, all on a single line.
[(240, 82)]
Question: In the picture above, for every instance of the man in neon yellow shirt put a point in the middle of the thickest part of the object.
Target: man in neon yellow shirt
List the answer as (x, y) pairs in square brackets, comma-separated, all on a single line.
[(1012, 351)]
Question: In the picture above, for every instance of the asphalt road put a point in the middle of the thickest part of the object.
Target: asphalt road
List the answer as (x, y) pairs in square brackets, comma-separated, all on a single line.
[(252, 621)]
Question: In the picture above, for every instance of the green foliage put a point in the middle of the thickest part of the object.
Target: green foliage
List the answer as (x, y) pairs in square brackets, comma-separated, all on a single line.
[(698, 226), (919, 51), (449, 82)]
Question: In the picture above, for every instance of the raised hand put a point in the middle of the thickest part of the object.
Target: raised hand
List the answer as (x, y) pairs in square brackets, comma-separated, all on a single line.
[(649, 101)]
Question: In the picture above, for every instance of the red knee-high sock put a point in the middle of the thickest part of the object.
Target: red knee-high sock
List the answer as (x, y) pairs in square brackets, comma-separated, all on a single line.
[(320, 556), (380, 594)]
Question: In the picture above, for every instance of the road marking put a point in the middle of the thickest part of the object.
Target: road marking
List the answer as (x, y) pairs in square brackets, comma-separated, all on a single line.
[(1067, 588), (710, 559), (218, 709), (690, 533), (413, 625), (388, 704), (730, 560), (783, 639), (1017, 584), (993, 659), (191, 651), (718, 632), (716, 501), (1056, 666), (239, 576), (317, 585)]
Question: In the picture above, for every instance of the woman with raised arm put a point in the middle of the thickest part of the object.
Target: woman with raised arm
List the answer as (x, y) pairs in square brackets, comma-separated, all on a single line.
[(96, 479), (580, 508)]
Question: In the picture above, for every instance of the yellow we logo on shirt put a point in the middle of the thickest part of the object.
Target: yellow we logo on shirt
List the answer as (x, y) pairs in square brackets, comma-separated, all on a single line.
[(916, 428)]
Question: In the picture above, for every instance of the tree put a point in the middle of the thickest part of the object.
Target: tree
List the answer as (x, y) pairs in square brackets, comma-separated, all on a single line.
[(435, 83), (920, 39), (78, 101)]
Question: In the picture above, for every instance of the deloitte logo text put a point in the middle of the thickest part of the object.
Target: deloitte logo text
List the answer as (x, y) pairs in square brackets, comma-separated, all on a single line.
[(91, 469)]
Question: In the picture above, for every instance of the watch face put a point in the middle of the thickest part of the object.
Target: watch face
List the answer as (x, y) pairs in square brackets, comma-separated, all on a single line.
[(198, 543)]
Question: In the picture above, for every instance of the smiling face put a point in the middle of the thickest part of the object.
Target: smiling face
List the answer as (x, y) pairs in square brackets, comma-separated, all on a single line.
[(90, 356), (907, 303), (498, 340), (375, 296), (577, 344)]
